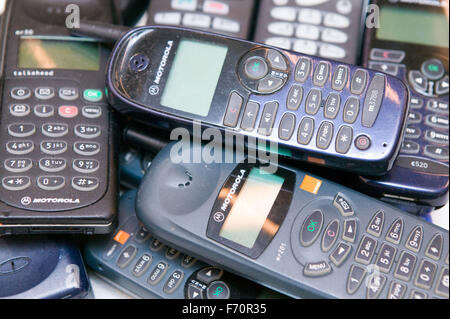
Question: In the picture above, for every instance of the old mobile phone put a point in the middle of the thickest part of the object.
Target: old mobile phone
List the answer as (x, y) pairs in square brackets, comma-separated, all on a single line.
[(412, 44), (329, 29), (135, 260), (58, 165), (230, 17), (292, 231), (322, 111), (41, 268)]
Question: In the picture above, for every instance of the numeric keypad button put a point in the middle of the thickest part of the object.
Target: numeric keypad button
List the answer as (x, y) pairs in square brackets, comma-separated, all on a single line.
[(359, 82), (409, 147), (55, 130), (305, 131), (173, 282), (440, 153), (87, 131), (44, 110), (321, 74), (425, 275), (172, 253), (434, 249), (437, 137), (386, 258), (20, 93), (438, 106), (86, 166), (396, 291), (51, 183), (394, 234), (412, 132), (355, 278), (86, 149), (188, 261), (334, 20), (85, 184), (294, 98), (18, 165), (303, 70), (313, 101), (414, 241), (414, 118), (20, 147), (16, 183), (405, 266), (19, 110), (375, 285), (351, 110), (366, 250), (442, 284), (52, 165), (325, 135), (416, 103), (157, 273), (418, 295), (53, 147), (437, 121), (21, 130), (344, 139), (375, 226), (340, 78), (332, 106), (142, 265)]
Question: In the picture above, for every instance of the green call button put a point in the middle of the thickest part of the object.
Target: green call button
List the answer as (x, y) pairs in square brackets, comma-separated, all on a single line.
[(92, 95)]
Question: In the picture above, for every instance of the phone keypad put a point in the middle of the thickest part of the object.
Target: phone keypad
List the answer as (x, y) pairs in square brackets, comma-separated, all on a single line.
[(55, 147)]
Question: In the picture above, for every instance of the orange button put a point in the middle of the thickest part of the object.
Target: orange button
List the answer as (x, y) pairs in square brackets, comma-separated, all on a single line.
[(311, 184), (121, 237)]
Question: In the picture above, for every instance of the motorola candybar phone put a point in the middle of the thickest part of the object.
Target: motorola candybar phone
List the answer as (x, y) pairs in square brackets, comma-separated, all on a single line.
[(57, 133), (41, 268), (329, 29), (135, 260), (230, 17), (320, 111), (412, 44), (290, 230)]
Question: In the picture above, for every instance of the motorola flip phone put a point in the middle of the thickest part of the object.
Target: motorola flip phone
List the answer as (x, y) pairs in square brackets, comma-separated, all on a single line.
[(412, 44), (315, 110), (135, 260), (290, 230), (41, 268), (57, 134), (329, 29)]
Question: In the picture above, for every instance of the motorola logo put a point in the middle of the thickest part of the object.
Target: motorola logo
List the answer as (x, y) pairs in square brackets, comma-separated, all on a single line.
[(25, 201), (153, 90), (219, 217)]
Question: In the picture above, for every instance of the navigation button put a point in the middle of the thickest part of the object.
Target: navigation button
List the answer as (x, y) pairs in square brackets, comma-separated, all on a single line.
[(415, 239), (433, 69), (16, 183), (277, 60), (418, 81), (355, 278), (442, 87), (209, 274), (270, 84), (349, 233), (340, 254), (330, 235), (256, 68), (250, 116), (305, 131), (194, 292), (20, 93), (218, 290), (317, 269), (434, 249), (442, 284), (374, 98), (311, 228)]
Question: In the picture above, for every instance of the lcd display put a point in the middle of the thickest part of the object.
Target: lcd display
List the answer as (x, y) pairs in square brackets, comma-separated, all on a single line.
[(194, 76), (251, 208), (58, 53), (413, 26)]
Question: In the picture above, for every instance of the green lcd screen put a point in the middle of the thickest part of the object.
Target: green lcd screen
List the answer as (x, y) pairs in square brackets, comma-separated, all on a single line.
[(250, 210), (58, 53), (194, 76), (413, 26)]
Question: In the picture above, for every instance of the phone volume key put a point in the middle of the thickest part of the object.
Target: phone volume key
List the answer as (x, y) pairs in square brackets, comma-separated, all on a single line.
[(16, 183), (287, 126), (268, 118)]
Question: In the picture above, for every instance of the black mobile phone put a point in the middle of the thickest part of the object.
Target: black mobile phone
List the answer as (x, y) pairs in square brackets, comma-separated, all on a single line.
[(290, 230), (41, 268), (133, 259), (231, 17), (412, 44), (319, 111), (57, 134), (329, 29)]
